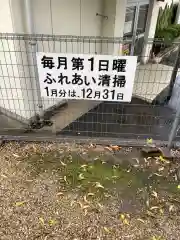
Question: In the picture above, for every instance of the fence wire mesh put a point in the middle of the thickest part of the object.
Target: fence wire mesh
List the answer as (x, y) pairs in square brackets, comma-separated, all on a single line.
[(150, 114)]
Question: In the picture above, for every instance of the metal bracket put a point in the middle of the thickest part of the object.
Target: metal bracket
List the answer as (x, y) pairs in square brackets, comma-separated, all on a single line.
[(100, 15)]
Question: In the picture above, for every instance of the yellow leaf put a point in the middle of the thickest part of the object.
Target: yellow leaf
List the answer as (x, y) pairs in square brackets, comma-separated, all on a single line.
[(157, 174), (149, 141), (141, 220), (122, 216), (171, 207), (52, 222), (154, 194), (60, 194), (90, 194), (83, 166), (178, 187), (161, 210), (63, 164), (80, 204), (16, 156), (65, 179), (81, 176), (98, 185), (155, 207), (100, 205), (115, 148), (18, 204), (106, 230), (126, 222), (85, 199), (41, 220)]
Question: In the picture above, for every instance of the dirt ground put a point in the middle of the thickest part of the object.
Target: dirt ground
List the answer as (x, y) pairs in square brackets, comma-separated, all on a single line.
[(76, 192)]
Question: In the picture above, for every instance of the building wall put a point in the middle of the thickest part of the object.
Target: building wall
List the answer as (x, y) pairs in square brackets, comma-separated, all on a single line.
[(18, 92)]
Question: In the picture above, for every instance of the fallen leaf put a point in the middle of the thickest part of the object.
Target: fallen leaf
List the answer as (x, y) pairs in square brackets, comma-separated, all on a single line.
[(15, 155), (63, 164), (109, 149), (100, 205), (171, 208), (60, 194), (80, 204), (157, 174), (161, 169), (178, 187), (81, 176), (52, 222), (18, 204), (106, 230), (154, 194), (163, 160), (98, 185), (154, 207), (85, 207), (140, 220), (161, 211), (83, 166), (90, 194), (122, 216), (4, 176), (149, 141), (41, 220), (126, 222), (115, 148), (85, 199)]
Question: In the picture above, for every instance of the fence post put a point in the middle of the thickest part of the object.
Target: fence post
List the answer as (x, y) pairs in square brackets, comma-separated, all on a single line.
[(177, 116)]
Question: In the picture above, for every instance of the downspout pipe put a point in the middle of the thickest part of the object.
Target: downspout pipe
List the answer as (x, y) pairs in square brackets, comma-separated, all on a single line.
[(31, 55)]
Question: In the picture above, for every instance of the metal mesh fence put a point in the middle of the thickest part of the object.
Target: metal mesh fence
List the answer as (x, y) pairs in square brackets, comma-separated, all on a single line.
[(150, 114)]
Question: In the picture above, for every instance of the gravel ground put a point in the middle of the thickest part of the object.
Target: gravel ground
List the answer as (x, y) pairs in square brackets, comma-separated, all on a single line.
[(38, 200)]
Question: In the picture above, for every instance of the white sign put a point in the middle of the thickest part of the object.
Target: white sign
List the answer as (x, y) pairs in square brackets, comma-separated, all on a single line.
[(91, 77)]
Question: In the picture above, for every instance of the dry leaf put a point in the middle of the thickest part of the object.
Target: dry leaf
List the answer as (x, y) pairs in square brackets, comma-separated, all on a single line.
[(18, 204), (85, 199), (80, 204), (157, 174), (149, 141), (106, 230), (115, 148), (161, 169), (60, 194), (126, 222), (154, 207), (109, 149), (41, 220), (65, 179), (63, 164), (171, 208), (100, 205), (90, 194), (140, 220), (98, 185), (81, 176), (122, 216), (83, 166), (15, 155), (161, 210), (154, 194), (52, 222)]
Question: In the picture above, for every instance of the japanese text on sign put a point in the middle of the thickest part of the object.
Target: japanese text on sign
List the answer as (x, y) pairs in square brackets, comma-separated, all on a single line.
[(91, 77)]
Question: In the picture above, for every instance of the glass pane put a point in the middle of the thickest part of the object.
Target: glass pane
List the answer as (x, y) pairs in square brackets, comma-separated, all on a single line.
[(129, 20), (143, 12)]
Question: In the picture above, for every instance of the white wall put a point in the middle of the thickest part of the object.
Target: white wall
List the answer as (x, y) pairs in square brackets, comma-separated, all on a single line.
[(67, 17), (18, 84)]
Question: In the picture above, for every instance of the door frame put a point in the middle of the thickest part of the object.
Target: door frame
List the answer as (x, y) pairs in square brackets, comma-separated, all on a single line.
[(137, 4)]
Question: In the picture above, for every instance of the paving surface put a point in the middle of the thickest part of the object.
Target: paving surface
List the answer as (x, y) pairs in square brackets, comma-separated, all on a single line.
[(137, 119)]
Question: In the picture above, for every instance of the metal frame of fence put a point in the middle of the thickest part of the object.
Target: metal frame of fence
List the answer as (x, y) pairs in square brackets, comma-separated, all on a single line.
[(24, 115)]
